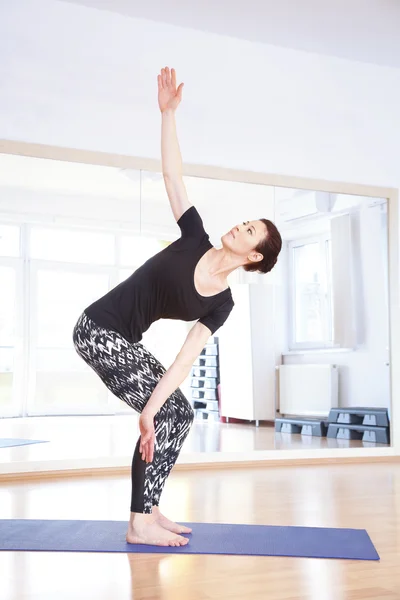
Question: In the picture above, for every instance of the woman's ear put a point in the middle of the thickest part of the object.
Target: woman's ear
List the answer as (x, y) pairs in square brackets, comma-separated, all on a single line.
[(255, 257)]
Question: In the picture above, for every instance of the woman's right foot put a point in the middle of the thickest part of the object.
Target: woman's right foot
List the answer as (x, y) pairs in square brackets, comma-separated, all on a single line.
[(153, 534)]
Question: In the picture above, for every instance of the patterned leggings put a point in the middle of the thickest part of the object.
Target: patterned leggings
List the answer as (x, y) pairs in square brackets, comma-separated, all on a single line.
[(131, 373)]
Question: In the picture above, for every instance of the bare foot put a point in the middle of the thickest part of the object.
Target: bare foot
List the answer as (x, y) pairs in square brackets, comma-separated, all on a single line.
[(167, 524), (154, 535)]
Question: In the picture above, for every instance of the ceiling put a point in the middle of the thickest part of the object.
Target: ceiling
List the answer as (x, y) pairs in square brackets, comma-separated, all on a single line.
[(360, 30)]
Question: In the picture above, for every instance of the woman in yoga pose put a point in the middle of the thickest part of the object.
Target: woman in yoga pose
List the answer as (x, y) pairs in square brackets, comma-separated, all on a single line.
[(186, 281)]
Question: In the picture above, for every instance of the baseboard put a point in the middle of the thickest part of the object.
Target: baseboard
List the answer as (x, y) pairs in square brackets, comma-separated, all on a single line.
[(201, 466)]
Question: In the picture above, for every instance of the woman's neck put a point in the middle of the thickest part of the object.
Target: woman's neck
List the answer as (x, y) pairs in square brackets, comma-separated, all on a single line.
[(223, 263)]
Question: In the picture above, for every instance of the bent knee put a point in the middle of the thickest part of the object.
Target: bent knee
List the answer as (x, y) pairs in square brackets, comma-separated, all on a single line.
[(190, 413), (187, 412)]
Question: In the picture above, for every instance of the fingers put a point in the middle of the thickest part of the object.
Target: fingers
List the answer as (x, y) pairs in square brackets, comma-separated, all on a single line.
[(146, 447), (150, 454), (150, 448), (164, 78), (144, 453), (179, 91), (146, 436), (142, 445), (147, 451), (167, 78)]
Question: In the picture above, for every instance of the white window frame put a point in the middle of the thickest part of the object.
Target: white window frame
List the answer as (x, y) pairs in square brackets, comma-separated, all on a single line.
[(324, 344), (26, 268), (37, 265)]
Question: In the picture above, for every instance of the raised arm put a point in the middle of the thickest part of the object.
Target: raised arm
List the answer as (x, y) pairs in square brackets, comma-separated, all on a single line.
[(169, 98)]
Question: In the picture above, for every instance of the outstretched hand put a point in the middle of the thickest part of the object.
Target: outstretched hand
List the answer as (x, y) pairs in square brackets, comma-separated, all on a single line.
[(169, 96), (147, 437)]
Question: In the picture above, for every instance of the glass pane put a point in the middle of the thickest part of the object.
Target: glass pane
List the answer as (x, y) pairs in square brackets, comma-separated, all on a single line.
[(7, 306), (385, 257), (6, 377), (61, 298), (65, 382), (135, 250), (309, 293), (329, 284), (7, 334), (156, 215), (9, 240), (124, 274), (6, 360), (73, 246)]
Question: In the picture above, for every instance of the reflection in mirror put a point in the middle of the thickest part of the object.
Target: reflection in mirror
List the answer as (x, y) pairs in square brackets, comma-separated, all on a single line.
[(309, 336), (334, 342)]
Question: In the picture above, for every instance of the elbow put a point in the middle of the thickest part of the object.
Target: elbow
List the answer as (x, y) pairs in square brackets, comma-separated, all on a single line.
[(173, 176), (184, 362)]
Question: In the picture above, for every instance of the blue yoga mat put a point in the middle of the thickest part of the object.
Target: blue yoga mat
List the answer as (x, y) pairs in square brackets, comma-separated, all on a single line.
[(206, 538), (9, 442)]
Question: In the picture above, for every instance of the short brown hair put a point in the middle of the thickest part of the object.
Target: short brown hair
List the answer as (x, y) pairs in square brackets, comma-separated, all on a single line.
[(270, 247)]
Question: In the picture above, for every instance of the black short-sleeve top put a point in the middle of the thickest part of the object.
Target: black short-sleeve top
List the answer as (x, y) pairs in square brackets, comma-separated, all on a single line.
[(163, 288)]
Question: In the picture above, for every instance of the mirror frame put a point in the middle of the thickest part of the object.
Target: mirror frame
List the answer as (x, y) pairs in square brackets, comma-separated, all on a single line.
[(270, 457)]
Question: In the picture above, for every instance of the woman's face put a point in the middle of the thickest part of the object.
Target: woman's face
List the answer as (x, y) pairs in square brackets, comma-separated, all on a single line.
[(244, 238)]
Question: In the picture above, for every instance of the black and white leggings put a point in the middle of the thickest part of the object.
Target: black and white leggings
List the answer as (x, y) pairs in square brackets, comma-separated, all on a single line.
[(131, 373)]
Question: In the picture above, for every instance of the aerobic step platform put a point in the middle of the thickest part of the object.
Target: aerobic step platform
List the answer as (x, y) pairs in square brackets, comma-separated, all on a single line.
[(359, 415), (366, 433), (301, 425)]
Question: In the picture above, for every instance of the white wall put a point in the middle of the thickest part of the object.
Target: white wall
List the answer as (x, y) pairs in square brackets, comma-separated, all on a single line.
[(79, 77), (364, 372)]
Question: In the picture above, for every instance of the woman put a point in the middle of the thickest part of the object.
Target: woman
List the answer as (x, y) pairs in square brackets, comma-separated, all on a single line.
[(186, 281)]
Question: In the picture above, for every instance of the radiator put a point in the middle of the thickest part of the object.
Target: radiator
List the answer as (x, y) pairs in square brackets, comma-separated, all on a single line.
[(307, 390)]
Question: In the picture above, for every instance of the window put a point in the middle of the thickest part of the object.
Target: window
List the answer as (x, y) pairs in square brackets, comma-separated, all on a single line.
[(74, 246), (311, 300), (59, 384), (48, 274), (135, 250), (9, 240), (8, 297)]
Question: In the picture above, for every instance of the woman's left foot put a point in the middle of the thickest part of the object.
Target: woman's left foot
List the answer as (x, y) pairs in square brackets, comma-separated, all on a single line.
[(167, 524)]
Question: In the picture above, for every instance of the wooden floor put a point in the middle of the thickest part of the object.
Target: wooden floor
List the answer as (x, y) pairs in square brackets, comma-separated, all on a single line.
[(358, 496)]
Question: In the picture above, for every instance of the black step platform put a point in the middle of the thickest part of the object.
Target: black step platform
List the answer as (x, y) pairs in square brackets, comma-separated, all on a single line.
[(366, 433), (360, 416), (301, 425)]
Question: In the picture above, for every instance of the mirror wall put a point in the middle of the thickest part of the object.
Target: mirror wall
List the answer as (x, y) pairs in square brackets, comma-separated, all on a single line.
[(311, 336)]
